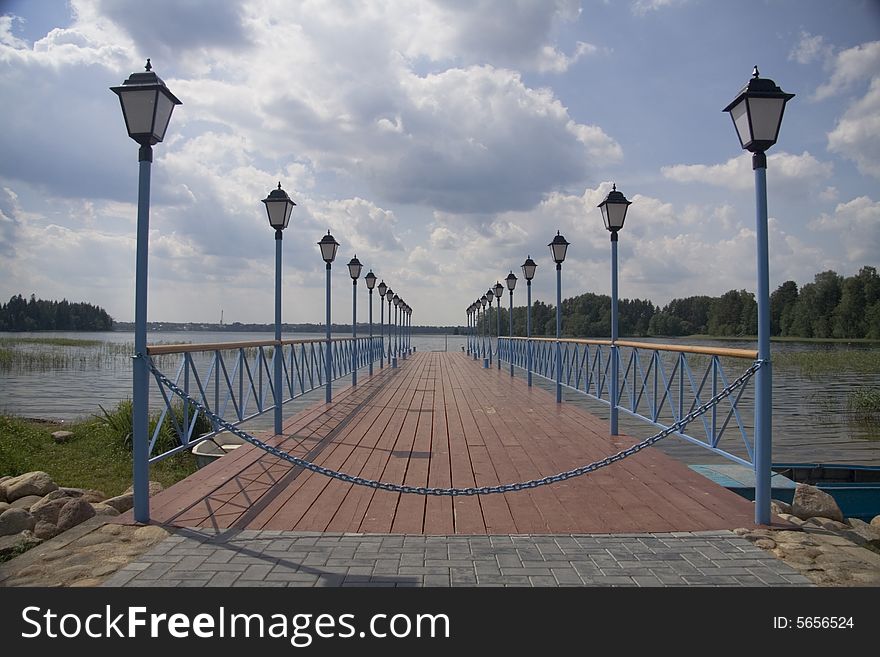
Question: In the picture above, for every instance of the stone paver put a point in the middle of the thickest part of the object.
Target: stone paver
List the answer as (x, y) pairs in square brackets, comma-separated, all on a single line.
[(255, 558)]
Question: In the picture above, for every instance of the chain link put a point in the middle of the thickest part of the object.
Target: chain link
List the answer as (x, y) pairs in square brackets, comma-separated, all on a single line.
[(473, 490)]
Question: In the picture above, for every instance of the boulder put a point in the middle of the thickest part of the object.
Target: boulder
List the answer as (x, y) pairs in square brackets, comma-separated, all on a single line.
[(778, 506), (810, 502), (30, 483), (4, 506), (46, 530), (16, 542), (862, 533), (15, 521), (58, 494), (62, 436), (90, 495), (828, 524), (102, 509), (26, 502), (875, 522), (76, 510), (48, 511), (155, 487), (121, 503)]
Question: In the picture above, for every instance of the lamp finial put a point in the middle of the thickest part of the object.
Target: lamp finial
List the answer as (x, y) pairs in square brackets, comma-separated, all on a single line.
[(148, 67)]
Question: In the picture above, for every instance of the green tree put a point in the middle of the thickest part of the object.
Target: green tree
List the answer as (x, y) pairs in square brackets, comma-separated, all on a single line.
[(782, 303)]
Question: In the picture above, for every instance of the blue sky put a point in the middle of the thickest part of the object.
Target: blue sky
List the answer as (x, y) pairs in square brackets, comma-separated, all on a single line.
[(441, 142)]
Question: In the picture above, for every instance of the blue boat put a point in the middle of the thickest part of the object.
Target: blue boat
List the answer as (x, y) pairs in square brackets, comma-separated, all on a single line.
[(855, 488)]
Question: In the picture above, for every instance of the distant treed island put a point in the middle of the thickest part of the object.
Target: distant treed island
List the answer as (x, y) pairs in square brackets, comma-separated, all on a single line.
[(832, 306)]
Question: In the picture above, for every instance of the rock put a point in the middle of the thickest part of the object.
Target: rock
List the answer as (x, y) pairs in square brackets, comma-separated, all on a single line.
[(48, 511), (4, 506), (121, 503), (90, 495), (46, 530), (862, 533), (30, 483), (102, 509), (875, 522), (810, 502), (792, 519), (26, 502), (766, 543), (16, 542), (827, 523), (15, 521), (76, 510), (777, 507), (62, 436)]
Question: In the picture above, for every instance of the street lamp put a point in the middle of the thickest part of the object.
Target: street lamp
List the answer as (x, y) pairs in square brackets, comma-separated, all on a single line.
[(528, 269), (490, 295), (396, 301), (486, 358), (614, 209), (146, 107), (558, 248), (370, 280), (382, 290), (278, 207), (328, 246), (389, 296), (498, 289), (511, 284), (757, 116), (354, 270)]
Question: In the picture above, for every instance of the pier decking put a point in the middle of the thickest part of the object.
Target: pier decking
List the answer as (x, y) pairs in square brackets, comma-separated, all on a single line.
[(440, 419)]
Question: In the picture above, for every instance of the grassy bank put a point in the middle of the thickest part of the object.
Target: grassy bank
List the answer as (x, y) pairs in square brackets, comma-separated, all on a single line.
[(94, 458)]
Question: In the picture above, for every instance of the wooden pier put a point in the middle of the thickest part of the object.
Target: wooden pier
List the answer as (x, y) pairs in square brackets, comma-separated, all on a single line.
[(440, 419)]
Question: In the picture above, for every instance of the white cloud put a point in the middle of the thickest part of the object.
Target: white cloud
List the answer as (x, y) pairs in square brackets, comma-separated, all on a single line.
[(857, 133), (792, 170), (857, 225), (810, 48), (851, 66), (643, 7)]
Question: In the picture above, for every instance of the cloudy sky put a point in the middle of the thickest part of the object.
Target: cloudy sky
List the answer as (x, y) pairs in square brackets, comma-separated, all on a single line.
[(442, 141)]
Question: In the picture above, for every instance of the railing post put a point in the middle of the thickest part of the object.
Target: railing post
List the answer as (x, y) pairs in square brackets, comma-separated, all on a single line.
[(764, 382)]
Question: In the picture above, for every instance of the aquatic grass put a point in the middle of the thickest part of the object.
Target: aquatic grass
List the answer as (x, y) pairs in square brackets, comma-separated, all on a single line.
[(818, 363), (120, 421), (53, 341)]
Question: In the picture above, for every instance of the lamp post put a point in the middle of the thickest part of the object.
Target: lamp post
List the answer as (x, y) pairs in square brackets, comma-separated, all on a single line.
[(328, 246), (468, 314), (511, 284), (278, 207), (528, 268), (370, 280), (389, 296), (402, 329), (498, 289), (396, 301), (614, 209), (483, 301), (146, 107), (382, 290), (354, 270), (757, 116), (558, 247), (475, 339), (490, 295)]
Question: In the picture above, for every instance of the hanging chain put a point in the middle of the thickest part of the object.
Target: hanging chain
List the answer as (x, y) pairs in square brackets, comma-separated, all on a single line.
[(472, 490)]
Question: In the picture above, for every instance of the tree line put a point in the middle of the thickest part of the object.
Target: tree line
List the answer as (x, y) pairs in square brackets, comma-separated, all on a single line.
[(832, 306), (43, 315)]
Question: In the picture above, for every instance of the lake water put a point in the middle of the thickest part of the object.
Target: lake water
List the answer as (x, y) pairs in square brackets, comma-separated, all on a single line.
[(810, 417)]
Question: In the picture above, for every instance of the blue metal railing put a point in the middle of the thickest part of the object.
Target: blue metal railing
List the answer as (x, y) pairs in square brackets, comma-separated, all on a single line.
[(235, 380), (658, 383)]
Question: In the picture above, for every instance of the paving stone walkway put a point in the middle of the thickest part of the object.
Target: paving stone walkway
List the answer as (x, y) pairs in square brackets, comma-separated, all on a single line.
[(200, 557)]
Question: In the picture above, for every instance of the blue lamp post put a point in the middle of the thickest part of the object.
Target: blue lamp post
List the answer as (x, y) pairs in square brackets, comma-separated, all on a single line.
[(278, 207), (483, 301), (511, 285), (757, 116), (370, 280), (328, 246), (490, 296), (396, 301), (498, 290), (389, 295), (146, 107), (383, 288), (614, 209), (528, 269), (558, 248), (354, 270), (401, 330)]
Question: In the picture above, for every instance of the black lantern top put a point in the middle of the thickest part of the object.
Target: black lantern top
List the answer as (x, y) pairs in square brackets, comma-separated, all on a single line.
[(389, 294), (529, 268), (490, 295), (370, 280), (614, 209), (396, 300), (484, 300), (558, 247), (146, 106), (382, 288), (757, 113), (328, 247), (511, 281), (498, 289), (278, 207), (354, 268)]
